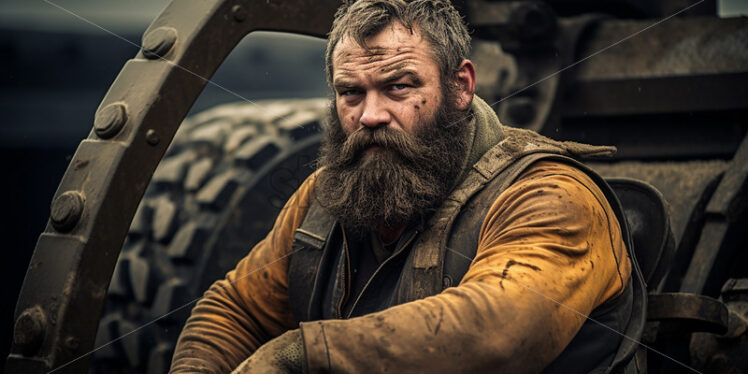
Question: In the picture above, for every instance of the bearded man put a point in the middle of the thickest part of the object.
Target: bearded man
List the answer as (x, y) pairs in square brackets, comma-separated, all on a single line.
[(431, 238)]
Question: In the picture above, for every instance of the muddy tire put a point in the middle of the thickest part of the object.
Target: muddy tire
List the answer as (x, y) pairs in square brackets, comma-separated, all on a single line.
[(212, 198)]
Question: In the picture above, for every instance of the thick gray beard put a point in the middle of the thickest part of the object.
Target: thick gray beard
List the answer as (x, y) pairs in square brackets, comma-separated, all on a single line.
[(409, 177)]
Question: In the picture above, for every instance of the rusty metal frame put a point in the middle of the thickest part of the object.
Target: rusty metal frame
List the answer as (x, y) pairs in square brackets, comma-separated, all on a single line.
[(66, 283)]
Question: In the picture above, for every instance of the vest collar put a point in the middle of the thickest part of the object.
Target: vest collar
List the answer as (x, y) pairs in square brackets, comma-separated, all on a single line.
[(485, 132)]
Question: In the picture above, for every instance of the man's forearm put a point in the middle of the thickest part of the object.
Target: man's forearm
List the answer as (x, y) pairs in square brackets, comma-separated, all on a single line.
[(217, 336), (240, 313), (455, 332)]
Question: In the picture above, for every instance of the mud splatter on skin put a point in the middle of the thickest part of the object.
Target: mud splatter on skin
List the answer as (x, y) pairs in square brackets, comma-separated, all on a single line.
[(511, 263)]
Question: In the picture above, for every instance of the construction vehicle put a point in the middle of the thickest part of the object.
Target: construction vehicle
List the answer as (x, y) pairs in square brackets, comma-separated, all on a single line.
[(134, 240)]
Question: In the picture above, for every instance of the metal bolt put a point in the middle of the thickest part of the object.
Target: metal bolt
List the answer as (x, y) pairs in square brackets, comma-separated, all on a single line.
[(66, 211), (110, 120), (28, 333), (151, 136), (239, 12), (158, 43)]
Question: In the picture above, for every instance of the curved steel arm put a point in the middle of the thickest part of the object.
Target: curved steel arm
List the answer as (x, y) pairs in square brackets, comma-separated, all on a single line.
[(63, 293)]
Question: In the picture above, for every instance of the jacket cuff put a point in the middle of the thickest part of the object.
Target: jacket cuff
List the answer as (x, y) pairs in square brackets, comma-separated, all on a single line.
[(315, 347)]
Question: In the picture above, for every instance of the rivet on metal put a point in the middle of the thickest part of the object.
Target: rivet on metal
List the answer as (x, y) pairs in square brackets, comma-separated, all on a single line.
[(158, 43), (28, 333), (66, 211), (151, 136), (239, 12), (110, 120)]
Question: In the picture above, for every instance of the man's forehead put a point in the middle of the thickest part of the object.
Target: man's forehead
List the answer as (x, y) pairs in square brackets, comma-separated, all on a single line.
[(392, 39), (352, 49)]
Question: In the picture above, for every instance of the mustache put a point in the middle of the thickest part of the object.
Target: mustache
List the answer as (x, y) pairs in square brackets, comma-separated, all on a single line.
[(406, 145)]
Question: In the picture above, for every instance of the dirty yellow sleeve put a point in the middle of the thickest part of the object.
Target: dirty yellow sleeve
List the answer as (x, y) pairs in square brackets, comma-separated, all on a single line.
[(249, 307), (550, 251)]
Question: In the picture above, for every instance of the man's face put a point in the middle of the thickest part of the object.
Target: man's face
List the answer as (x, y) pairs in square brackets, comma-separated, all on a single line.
[(396, 138), (395, 83)]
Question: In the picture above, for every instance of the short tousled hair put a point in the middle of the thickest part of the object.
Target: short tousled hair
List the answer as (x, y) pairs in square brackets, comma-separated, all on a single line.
[(436, 20)]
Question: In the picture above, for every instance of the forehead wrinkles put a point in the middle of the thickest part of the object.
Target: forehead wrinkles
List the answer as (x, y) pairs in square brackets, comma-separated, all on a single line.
[(366, 61), (393, 44)]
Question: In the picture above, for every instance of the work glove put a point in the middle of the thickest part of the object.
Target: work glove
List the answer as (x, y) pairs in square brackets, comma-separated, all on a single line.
[(284, 354)]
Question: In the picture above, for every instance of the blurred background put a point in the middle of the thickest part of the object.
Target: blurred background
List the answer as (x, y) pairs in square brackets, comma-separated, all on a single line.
[(57, 60)]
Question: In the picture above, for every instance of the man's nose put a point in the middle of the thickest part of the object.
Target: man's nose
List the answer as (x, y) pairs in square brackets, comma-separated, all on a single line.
[(375, 112)]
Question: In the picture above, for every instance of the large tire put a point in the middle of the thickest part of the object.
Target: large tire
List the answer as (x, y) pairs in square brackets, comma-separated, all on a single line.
[(213, 197)]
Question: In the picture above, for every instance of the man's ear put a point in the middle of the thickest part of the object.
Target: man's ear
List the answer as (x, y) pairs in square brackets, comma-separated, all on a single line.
[(465, 80)]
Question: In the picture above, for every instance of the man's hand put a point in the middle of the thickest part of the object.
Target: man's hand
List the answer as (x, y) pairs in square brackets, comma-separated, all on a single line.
[(284, 354)]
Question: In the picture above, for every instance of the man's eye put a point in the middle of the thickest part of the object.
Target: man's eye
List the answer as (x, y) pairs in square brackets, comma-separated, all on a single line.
[(349, 92), (398, 87)]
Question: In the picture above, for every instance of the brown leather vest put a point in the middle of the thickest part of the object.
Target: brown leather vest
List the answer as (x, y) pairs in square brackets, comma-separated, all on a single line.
[(441, 254)]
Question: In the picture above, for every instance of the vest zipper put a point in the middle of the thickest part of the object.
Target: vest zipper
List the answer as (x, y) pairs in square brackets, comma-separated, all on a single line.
[(368, 282), (346, 277)]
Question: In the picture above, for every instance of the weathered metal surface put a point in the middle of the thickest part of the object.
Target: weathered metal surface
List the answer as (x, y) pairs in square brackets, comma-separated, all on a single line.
[(735, 290), (650, 95), (670, 90), (69, 273), (726, 353), (515, 24), (686, 313), (540, 46), (681, 65), (674, 318), (724, 231), (598, 76)]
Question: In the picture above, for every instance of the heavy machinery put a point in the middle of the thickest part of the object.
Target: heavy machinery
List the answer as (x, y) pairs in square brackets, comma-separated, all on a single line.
[(666, 82)]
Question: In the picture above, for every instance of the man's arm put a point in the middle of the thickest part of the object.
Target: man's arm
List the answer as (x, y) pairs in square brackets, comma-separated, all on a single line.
[(240, 313), (549, 252)]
